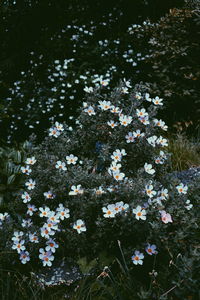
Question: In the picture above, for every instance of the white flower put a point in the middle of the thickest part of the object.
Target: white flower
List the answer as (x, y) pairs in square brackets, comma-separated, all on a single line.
[(164, 194), (88, 89), (26, 170), (138, 96), (125, 120), (31, 209), (182, 189), (141, 112), (148, 169), (75, 190), (26, 197), (124, 90), (127, 83), (71, 159), (161, 141), (144, 120), (138, 133), (147, 97), (46, 231), (161, 124), (152, 140), (51, 246), (61, 165), (3, 217), (137, 258), (79, 225), (63, 212), (104, 105), (129, 137), (188, 204), (54, 132), (27, 223), (112, 124), (19, 246), (115, 110), (109, 212), (44, 211), (46, 257), (59, 126), (149, 191), (99, 191), (90, 111), (33, 238), (49, 195), (117, 155), (157, 101), (17, 236), (118, 176), (114, 167), (30, 160), (140, 213), (30, 184)]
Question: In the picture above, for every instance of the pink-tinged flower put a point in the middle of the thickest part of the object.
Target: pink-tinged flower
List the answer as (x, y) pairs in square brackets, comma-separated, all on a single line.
[(165, 217), (130, 137), (151, 249), (26, 197), (24, 257), (137, 258)]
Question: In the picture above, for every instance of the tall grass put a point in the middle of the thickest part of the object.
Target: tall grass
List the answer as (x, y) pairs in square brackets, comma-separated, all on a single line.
[(185, 152)]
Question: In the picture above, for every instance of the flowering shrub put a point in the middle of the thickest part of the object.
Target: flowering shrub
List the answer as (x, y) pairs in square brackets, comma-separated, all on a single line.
[(103, 180)]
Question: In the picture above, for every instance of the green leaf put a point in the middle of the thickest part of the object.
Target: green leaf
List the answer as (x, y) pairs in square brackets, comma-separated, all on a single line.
[(85, 266), (11, 179)]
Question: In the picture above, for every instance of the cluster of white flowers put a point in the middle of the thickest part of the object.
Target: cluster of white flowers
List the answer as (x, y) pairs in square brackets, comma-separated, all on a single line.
[(112, 209)]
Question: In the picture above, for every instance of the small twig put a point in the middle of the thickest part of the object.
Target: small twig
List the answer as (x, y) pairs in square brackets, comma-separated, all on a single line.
[(170, 290)]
